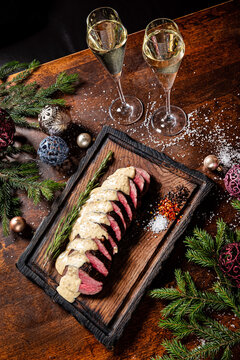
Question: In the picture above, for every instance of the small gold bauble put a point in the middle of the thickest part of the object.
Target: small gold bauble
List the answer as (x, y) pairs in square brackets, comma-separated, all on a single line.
[(84, 140), (17, 224), (211, 162)]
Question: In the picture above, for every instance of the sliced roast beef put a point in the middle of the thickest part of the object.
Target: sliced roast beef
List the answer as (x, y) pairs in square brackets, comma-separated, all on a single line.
[(105, 247), (89, 286), (115, 222), (119, 211), (103, 194), (92, 272), (133, 193), (97, 263), (115, 226), (146, 177), (123, 198), (139, 181)]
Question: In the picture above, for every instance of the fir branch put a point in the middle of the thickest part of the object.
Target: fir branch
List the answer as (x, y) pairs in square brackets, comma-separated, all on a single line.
[(22, 100), (22, 122), (227, 297), (13, 150), (66, 223), (215, 338), (10, 68), (22, 176), (26, 177), (9, 206), (204, 250), (220, 237), (187, 300), (23, 75), (201, 248), (64, 83), (188, 310), (236, 204), (10, 169)]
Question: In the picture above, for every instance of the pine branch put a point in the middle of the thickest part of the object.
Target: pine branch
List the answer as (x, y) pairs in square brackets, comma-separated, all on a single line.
[(188, 310), (10, 68), (236, 204), (20, 77), (201, 248), (13, 150), (27, 100), (227, 297), (220, 238), (64, 83), (26, 177), (188, 301), (22, 122), (204, 250), (9, 206), (22, 176), (216, 338)]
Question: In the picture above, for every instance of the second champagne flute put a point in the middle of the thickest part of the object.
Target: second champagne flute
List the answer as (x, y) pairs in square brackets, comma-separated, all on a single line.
[(163, 50), (107, 37)]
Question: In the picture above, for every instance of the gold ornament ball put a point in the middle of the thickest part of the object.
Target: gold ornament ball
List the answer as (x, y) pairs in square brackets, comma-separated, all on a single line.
[(17, 224), (84, 140), (211, 162)]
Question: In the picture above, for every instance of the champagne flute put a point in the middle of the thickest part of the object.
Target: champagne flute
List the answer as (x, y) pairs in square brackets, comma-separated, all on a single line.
[(107, 37), (163, 49)]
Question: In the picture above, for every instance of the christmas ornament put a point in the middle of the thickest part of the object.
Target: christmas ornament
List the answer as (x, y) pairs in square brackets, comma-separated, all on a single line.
[(211, 162), (17, 224), (53, 120), (7, 129), (232, 181), (84, 140), (53, 150), (229, 262)]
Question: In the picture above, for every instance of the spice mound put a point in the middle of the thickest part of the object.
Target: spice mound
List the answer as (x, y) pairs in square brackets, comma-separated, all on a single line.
[(168, 209)]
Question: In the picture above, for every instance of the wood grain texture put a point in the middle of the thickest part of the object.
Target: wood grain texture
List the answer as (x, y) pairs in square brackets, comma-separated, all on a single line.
[(141, 252), (32, 325)]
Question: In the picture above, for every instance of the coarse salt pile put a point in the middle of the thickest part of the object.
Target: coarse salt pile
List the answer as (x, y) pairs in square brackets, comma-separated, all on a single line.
[(158, 223)]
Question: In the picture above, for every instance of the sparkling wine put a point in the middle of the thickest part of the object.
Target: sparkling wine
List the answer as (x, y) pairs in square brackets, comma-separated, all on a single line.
[(163, 50), (107, 40)]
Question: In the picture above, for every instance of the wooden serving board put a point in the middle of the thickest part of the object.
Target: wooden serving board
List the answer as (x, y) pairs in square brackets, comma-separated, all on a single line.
[(141, 253)]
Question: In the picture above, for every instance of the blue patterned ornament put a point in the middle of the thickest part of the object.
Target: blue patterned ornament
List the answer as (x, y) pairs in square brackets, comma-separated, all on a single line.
[(53, 150)]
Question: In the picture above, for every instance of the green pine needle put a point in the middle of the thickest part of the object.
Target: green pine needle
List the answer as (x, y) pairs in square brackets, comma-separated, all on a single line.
[(236, 204), (25, 177), (10, 68), (187, 312), (22, 100)]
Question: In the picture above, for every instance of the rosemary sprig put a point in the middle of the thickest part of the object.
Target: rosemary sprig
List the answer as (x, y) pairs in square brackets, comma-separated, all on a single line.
[(66, 223)]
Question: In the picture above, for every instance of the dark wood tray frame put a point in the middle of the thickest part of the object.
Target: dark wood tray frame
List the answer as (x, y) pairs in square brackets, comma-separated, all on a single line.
[(108, 336)]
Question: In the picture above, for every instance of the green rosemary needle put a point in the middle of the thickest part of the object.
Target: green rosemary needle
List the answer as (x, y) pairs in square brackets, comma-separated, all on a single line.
[(66, 223)]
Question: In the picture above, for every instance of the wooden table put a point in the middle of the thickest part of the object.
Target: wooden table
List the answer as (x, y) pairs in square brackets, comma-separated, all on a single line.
[(32, 326)]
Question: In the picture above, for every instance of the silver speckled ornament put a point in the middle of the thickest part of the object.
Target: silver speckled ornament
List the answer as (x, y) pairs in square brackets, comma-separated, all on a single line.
[(53, 120), (84, 140)]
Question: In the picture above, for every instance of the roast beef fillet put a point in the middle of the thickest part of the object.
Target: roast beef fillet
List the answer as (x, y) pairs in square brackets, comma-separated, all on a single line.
[(94, 272)]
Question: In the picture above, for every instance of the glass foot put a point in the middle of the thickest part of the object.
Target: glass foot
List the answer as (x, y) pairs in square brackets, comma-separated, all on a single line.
[(128, 113), (169, 125)]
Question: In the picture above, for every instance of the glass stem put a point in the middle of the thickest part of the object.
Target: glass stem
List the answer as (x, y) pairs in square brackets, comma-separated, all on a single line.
[(119, 87), (167, 92)]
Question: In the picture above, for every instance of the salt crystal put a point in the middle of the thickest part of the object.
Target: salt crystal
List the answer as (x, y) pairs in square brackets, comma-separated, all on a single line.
[(159, 223)]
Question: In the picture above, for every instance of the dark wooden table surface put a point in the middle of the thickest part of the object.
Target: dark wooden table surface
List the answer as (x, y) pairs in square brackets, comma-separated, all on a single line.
[(207, 88)]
